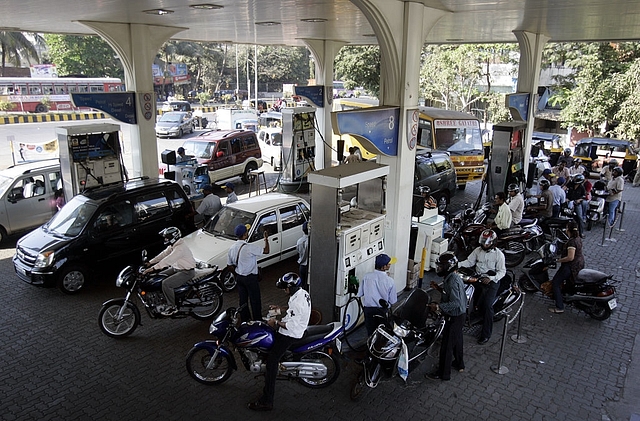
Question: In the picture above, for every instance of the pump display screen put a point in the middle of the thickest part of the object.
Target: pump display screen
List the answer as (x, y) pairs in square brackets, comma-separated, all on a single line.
[(93, 145)]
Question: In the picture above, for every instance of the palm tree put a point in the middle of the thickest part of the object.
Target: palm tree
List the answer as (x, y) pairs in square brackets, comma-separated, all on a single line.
[(16, 46)]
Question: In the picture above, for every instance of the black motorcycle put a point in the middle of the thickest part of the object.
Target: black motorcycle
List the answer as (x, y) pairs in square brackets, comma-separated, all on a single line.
[(200, 297), (412, 326), (591, 292)]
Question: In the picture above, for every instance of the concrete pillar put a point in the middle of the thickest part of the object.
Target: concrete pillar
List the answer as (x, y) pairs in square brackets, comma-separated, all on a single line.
[(531, 47), (324, 53), (137, 45)]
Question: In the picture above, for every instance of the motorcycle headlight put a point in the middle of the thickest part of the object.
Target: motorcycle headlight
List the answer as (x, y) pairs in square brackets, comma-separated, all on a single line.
[(44, 259)]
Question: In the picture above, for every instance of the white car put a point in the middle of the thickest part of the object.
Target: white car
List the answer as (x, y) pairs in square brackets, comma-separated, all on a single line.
[(270, 140), (281, 214)]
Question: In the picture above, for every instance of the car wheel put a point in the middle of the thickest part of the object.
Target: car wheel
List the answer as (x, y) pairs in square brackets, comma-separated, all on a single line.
[(72, 279), (442, 201), (41, 108), (246, 176)]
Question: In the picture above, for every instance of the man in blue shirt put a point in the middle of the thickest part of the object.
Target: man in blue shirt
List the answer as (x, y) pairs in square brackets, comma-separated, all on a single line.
[(374, 286)]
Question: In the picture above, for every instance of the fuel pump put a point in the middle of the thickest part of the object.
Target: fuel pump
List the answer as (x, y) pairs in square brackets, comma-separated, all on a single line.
[(346, 234), (298, 147), (90, 156), (506, 165)]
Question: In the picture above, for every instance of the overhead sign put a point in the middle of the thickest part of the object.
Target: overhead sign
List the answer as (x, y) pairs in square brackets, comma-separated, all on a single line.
[(314, 94), (518, 105), (119, 105), (377, 125), (456, 124)]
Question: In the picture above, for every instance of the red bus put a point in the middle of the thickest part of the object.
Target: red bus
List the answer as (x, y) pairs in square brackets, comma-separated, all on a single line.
[(39, 95)]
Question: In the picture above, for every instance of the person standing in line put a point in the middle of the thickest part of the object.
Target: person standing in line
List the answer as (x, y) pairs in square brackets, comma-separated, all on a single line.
[(559, 195), (210, 205), (488, 261), (615, 188), (302, 246), (571, 262), (374, 286), (291, 328), (453, 305), (231, 194), (243, 256)]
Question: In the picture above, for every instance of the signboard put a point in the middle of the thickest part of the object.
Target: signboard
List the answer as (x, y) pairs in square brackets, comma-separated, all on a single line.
[(413, 117), (378, 125), (119, 105), (313, 94), (518, 105), (456, 124)]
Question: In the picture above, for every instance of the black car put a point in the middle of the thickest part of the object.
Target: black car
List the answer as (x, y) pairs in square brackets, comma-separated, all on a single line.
[(434, 170), (103, 227)]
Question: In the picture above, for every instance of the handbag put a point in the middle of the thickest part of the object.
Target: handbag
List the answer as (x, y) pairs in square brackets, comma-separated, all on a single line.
[(232, 267)]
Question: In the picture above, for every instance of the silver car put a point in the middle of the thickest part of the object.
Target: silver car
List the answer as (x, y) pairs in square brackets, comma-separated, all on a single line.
[(175, 124)]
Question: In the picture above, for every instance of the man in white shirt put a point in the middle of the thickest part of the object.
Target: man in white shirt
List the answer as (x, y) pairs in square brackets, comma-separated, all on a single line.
[(231, 194), (503, 218), (515, 203), (210, 205), (374, 286), (559, 195), (302, 246)]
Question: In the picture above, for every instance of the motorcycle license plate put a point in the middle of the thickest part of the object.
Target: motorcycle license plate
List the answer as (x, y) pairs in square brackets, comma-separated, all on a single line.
[(339, 345), (612, 304)]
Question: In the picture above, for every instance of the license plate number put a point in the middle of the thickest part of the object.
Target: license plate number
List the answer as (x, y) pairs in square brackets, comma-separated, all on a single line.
[(612, 304)]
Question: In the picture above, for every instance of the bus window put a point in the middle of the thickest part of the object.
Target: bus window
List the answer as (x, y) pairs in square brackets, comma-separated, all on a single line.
[(59, 89), (458, 140), (96, 88), (72, 88), (34, 90)]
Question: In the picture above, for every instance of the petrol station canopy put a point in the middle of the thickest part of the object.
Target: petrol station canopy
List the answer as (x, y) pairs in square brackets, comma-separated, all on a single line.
[(290, 22)]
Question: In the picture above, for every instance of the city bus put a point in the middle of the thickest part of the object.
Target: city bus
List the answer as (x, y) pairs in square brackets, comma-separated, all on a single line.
[(39, 95), (455, 132)]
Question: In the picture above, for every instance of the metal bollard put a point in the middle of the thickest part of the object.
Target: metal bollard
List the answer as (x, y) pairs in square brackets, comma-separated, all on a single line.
[(621, 212), (501, 369), (518, 338)]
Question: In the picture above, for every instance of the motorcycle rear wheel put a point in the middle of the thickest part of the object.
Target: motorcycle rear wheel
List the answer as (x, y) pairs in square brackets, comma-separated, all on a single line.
[(602, 312), (526, 285), (118, 328), (333, 369), (207, 312), (197, 361)]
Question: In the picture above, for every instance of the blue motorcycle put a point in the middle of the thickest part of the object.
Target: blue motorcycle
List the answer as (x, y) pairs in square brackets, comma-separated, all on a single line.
[(313, 359)]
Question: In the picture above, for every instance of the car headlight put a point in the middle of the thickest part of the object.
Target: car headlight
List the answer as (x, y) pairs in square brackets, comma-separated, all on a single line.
[(44, 259)]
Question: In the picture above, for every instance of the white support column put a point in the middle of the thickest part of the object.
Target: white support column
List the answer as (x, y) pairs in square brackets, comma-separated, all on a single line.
[(137, 46), (531, 47), (324, 53)]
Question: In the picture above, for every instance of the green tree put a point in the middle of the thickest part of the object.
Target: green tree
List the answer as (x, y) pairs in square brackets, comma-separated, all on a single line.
[(359, 66), (89, 56), (16, 47), (628, 115)]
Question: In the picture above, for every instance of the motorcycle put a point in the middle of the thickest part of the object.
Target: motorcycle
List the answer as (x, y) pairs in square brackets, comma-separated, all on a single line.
[(596, 211), (508, 297), (200, 297), (412, 326), (591, 292), (312, 359), (467, 226)]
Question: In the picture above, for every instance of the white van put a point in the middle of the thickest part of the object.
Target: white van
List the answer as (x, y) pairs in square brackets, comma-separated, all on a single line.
[(27, 195), (270, 140)]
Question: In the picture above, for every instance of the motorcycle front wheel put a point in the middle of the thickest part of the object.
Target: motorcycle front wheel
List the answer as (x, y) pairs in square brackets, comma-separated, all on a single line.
[(228, 281), (117, 327), (198, 360), (333, 369), (213, 296)]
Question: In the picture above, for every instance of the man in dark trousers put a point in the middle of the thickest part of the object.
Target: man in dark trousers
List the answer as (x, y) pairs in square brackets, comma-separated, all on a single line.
[(454, 306)]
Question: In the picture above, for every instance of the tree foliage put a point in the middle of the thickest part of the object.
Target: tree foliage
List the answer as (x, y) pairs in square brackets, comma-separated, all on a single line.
[(359, 66), (16, 47), (83, 55)]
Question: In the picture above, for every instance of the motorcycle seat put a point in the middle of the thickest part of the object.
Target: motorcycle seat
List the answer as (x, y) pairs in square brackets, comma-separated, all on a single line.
[(511, 232), (312, 333), (527, 222), (201, 273), (591, 276), (414, 309), (558, 222)]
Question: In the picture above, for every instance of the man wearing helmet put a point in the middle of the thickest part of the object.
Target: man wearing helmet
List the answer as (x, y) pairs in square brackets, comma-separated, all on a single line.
[(515, 203), (576, 195), (577, 167), (545, 204), (615, 187), (566, 157), (177, 262), (289, 329), (374, 286), (607, 171), (488, 261), (453, 305)]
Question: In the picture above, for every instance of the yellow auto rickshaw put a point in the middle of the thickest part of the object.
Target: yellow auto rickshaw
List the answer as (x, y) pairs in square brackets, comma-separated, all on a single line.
[(595, 152)]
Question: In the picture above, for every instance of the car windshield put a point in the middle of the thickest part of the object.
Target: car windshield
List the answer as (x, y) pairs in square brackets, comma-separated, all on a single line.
[(171, 118), (5, 183), (226, 221), (459, 140), (199, 149), (72, 218)]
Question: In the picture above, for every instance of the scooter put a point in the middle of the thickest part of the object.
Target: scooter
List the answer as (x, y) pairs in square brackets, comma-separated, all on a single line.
[(312, 360), (408, 333), (200, 297), (592, 291), (597, 204)]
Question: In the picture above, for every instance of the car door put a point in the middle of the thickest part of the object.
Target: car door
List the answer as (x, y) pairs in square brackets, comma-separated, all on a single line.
[(221, 164), (152, 213), (268, 221), (29, 203), (291, 219), (111, 235)]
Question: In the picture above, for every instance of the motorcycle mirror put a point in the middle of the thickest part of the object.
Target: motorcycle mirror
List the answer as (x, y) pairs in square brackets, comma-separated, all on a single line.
[(144, 256)]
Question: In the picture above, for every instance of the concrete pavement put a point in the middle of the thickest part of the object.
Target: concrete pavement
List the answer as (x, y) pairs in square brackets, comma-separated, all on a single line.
[(56, 364)]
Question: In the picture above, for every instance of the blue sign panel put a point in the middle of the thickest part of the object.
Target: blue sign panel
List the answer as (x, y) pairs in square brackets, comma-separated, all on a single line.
[(314, 94), (520, 104), (119, 105), (378, 125)]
